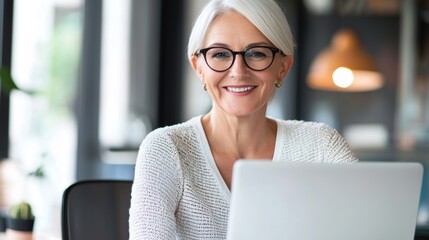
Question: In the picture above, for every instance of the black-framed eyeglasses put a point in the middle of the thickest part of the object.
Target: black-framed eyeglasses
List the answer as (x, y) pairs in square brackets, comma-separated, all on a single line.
[(257, 58)]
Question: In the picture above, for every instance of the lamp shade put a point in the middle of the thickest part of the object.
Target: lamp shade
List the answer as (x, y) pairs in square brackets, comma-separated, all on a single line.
[(344, 66)]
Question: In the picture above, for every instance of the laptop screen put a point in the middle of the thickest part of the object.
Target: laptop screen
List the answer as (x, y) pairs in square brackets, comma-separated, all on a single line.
[(365, 200)]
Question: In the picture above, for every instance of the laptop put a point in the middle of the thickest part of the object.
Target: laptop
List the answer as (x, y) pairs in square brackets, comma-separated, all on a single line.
[(324, 201)]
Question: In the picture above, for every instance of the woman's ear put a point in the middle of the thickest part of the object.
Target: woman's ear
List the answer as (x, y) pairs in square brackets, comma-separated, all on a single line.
[(196, 66), (287, 62)]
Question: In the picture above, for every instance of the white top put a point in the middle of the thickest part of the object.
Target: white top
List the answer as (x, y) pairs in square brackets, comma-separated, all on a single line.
[(178, 192)]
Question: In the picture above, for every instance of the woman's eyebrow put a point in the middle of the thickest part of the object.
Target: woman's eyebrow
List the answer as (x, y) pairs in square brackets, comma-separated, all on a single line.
[(218, 45), (258, 44), (247, 46)]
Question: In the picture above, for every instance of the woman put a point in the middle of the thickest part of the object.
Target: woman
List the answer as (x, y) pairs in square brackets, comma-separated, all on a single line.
[(241, 51)]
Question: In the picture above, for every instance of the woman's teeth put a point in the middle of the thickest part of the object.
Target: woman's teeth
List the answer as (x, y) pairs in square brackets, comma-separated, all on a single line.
[(239, 89)]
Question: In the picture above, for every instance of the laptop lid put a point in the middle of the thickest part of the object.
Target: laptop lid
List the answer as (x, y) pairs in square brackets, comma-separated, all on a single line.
[(307, 201)]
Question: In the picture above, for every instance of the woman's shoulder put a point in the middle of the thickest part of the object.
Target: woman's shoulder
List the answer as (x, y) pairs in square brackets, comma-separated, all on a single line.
[(299, 130), (166, 143), (173, 133), (314, 141), (305, 126)]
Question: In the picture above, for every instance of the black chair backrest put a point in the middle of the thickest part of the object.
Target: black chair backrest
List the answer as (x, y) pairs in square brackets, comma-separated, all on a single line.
[(96, 209)]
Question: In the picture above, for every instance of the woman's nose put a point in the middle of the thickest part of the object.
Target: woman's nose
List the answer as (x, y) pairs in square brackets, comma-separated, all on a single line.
[(239, 67)]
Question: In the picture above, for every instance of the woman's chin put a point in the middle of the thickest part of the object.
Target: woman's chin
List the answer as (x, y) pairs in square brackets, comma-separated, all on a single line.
[(244, 112)]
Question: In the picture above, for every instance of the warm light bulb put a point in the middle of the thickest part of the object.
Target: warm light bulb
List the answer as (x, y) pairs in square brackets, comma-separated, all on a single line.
[(343, 77)]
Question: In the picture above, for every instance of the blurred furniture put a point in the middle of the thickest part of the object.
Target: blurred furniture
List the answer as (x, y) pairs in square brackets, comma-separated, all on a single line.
[(96, 209)]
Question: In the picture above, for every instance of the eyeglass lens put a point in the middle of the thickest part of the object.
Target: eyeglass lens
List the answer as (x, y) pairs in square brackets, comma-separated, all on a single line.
[(256, 58)]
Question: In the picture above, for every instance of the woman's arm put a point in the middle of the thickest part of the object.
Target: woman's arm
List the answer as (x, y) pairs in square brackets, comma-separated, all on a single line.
[(156, 189)]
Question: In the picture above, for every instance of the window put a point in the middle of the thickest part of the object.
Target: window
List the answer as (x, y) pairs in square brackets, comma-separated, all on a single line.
[(45, 58)]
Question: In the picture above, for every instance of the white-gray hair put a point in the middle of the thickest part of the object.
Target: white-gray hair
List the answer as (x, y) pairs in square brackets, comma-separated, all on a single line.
[(266, 15)]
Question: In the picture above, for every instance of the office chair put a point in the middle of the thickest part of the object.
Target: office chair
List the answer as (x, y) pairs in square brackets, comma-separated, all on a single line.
[(96, 209)]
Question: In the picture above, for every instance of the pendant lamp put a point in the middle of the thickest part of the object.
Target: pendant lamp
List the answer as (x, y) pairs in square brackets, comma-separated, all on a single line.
[(344, 66)]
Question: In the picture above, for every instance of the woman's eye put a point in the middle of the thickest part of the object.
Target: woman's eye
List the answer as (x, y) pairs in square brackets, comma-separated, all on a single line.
[(256, 54), (221, 55)]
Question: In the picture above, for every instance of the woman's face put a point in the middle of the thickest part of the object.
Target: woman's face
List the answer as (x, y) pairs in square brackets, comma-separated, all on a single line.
[(239, 91)]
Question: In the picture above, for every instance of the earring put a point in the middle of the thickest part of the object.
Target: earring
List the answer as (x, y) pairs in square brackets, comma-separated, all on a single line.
[(278, 85), (205, 86)]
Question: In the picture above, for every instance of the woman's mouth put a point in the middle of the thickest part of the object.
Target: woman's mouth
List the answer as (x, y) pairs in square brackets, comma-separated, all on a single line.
[(240, 89)]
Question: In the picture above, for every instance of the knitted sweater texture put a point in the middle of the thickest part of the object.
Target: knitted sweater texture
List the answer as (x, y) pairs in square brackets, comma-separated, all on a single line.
[(178, 192)]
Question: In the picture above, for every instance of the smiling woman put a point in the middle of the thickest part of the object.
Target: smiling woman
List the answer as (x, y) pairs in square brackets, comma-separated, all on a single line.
[(241, 51), (257, 69)]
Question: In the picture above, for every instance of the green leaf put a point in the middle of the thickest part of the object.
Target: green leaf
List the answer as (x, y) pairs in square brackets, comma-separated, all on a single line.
[(8, 84), (39, 172)]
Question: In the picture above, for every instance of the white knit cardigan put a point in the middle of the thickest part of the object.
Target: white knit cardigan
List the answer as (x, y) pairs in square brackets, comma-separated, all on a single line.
[(178, 192)]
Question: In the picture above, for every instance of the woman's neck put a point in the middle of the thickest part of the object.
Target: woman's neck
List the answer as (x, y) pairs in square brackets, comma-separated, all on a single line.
[(240, 137)]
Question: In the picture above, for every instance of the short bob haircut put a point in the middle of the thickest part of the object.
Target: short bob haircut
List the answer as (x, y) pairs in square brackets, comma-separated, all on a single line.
[(266, 15)]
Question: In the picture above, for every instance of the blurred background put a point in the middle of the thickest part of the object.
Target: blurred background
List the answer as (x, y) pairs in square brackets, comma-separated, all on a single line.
[(96, 76)]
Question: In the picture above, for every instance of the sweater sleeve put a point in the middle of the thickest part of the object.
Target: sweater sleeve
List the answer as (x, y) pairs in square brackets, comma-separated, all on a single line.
[(156, 189), (337, 149)]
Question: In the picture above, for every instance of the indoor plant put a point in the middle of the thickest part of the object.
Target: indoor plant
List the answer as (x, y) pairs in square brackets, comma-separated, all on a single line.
[(20, 222)]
